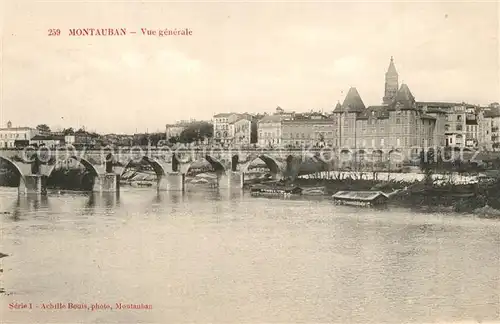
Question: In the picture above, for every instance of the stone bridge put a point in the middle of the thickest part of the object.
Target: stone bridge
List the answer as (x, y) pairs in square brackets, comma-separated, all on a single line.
[(171, 165)]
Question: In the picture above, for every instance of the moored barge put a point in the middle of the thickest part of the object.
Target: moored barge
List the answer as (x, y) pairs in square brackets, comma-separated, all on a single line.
[(360, 198), (280, 191)]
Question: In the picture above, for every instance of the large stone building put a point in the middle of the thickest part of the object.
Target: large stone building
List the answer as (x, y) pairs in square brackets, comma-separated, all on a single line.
[(399, 125), (308, 130), (11, 137), (403, 124)]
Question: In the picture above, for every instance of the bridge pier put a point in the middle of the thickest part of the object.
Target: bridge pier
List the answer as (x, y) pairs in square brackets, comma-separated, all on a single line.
[(231, 180), (107, 182), (33, 184), (172, 181)]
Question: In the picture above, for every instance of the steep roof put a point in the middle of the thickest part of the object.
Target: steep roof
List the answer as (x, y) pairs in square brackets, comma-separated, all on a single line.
[(338, 107), (392, 68), (352, 102), (379, 112), (404, 98)]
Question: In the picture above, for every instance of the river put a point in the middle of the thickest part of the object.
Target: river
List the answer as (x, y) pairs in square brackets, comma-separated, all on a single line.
[(227, 257)]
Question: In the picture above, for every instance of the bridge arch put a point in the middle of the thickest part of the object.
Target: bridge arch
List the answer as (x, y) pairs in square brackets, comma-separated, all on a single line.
[(216, 165), (157, 167), (87, 165), (270, 162), (16, 167)]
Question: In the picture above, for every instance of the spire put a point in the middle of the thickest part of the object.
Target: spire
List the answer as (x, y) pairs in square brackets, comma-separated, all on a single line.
[(353, 102), (338, 107), (392, 68), (391, 83)]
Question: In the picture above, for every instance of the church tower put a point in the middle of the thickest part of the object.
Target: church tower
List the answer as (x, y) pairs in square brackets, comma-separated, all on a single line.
[(391, 83)]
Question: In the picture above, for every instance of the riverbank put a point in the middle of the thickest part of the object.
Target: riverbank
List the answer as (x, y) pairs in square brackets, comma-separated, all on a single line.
[(481, 200)]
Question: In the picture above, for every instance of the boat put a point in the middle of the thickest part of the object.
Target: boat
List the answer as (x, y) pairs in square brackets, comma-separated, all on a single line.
[(360, 198), (317, 191), (284, 191)]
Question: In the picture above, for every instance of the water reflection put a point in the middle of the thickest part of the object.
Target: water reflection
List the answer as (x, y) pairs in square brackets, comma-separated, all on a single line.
[(107, 201), (30, 203)]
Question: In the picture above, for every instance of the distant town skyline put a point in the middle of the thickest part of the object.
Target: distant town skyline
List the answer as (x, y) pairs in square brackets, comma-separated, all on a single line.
[(241, 57)]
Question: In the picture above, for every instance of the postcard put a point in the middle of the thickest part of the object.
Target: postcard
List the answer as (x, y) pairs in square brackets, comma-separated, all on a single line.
[(249, 162)]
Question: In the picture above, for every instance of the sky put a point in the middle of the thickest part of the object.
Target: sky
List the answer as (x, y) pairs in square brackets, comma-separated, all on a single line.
[(241, 57)]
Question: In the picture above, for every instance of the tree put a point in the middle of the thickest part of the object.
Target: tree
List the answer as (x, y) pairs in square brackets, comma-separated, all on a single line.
[(174, 139), (156, 137), (253, 131), (196, 131), (81, 131), (68, 131), (43, 128)]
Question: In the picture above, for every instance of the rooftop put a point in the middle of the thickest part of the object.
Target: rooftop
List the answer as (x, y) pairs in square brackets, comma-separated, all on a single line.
[(404, 99), (223, 115), (271, 119), (16, 128), (352, 102), (379, 112), (47, 137)]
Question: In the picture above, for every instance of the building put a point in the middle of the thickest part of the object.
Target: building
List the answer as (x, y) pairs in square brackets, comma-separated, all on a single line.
[(397, 125), (270, 130), (460, 125), (311, 130), (492, 115), (50, 141), (222, 134), (241, 130), (286, 115), (11, 137)]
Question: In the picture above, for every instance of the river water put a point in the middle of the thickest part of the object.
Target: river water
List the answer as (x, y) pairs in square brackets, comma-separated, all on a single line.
[(227, 257)]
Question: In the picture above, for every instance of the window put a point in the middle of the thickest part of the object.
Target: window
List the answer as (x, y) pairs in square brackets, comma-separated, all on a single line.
[(398, 121), (446, 127), (459, 117), (459, 127)]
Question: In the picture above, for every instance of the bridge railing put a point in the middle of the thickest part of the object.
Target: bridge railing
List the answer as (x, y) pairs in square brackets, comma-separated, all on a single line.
[(184, 153)]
